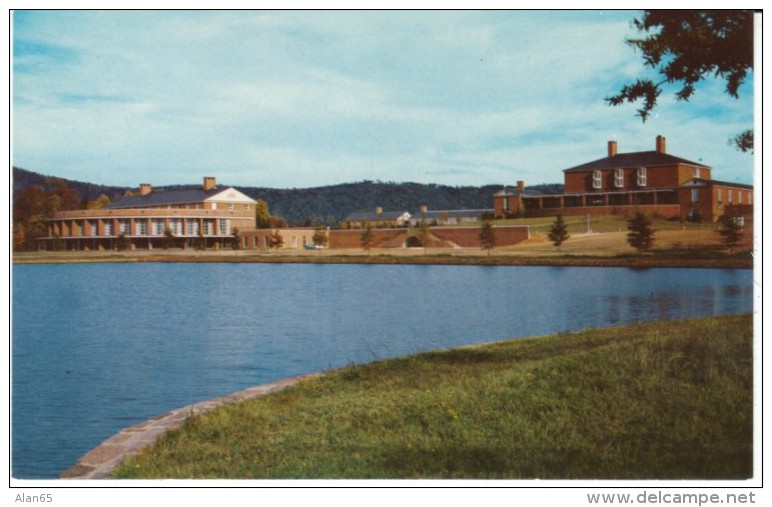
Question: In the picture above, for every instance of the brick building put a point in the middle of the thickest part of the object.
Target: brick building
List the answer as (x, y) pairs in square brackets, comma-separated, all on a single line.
[(654, 182), (207, 216)]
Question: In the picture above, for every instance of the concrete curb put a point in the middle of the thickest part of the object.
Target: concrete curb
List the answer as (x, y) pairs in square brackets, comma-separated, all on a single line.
[(100, 461)]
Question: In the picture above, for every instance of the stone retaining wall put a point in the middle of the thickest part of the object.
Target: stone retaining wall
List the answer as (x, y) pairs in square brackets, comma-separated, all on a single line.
[(100, 461)]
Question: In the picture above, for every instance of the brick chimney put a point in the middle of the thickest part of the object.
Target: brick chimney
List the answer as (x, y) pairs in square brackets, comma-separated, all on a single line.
[(521, 185), (145, 188), (378, 210), (661, 144), (209, 182), (612, 148)]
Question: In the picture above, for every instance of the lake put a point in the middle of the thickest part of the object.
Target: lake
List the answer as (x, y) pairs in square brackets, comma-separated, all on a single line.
[(99, 347)]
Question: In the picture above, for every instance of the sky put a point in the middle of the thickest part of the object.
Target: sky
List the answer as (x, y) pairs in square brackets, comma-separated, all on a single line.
[(297, 99)]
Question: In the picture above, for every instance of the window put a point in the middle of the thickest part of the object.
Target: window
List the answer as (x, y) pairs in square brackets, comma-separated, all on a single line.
[(739, 197), (159, 228), (597, 179), (175, 224), (695, 196), (695, 172), (230, 207), (209, 227), (225, 226), (109, 231), (192, 226), (214, 205), (123, 226), (94, 229), (505, 205), (641, 176), (619, 178), (142, 227), (718, 195), (729, 195)]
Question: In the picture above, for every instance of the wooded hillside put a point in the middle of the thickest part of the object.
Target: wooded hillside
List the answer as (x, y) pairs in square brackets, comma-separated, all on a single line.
[(319, 205)]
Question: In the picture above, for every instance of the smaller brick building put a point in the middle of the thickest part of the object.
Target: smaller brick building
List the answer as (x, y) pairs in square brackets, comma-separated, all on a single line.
[(654, 182)]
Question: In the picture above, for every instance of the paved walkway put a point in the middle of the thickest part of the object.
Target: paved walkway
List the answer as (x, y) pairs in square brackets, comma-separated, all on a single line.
[(99, 462)]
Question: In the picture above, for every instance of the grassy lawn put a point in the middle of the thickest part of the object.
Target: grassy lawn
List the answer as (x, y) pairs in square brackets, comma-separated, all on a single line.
[(666, 400)]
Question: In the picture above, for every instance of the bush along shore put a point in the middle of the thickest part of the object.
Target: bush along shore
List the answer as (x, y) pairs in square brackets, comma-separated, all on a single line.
[(660, 400)]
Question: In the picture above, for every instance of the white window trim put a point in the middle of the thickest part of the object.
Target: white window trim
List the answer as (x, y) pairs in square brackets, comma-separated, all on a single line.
[(619, 178), (597, 179), (641, 176)]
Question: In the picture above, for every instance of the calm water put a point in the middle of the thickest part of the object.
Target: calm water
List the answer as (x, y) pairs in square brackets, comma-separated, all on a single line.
[(99, 347)]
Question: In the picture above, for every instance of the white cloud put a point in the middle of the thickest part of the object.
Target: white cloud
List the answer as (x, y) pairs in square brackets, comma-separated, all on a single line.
[(310, 98)]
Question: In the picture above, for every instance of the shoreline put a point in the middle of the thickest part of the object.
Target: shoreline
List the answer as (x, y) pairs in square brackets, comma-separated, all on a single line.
[(100, 461), (688, 259)]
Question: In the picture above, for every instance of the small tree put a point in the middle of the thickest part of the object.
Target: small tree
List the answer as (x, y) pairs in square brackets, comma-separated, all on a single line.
[(320, 237), (366, 237), (201, 242), (235, 239), (641, 235), (122, 242), (425, 234), (168, 240), (487, 236), (730, 231), (262, 215), (558, 233), (275, 239)]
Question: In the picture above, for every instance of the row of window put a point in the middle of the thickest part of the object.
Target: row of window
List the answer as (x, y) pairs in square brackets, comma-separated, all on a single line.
[(158, 226), (747, 197), (198, 205), (619, 178)]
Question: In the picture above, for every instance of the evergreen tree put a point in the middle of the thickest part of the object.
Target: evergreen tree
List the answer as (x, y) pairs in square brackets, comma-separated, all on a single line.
[(122, 242), (641, 235), (558, 233), (730, 231), (487, 236), (425, 235), (366, 238), (235, 239)]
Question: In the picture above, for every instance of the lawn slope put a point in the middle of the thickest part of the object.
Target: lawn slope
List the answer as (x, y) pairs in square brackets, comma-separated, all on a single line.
[(663, 400)]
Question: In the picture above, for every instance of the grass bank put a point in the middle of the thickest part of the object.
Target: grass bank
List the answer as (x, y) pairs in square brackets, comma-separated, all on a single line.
[(663, 400)]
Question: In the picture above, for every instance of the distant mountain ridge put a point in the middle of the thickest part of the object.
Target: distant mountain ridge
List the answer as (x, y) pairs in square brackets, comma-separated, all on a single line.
[(320, 205)]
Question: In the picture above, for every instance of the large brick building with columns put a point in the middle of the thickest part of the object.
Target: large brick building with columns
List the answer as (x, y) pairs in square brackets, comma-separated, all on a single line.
[(208, 214), (653, 182)]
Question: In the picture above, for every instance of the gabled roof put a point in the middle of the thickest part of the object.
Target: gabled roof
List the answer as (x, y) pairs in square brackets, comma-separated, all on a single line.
[(372, 216), (514, 191), (453, 213), (184, 196), (635, 159), (701, 182)]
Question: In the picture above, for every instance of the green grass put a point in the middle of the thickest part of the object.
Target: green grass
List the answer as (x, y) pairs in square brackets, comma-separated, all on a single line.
[(665, 400)]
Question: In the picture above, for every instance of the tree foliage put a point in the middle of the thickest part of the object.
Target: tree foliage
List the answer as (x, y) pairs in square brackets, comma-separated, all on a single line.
[(685, 46), (558, 232), (320, 237), (640, 235), (730, 231), (34, 205), (366, 237), (487, 236), (275, 239), (262, 215)]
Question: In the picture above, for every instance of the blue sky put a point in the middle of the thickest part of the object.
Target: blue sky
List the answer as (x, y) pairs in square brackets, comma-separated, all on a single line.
[(301, 99)]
